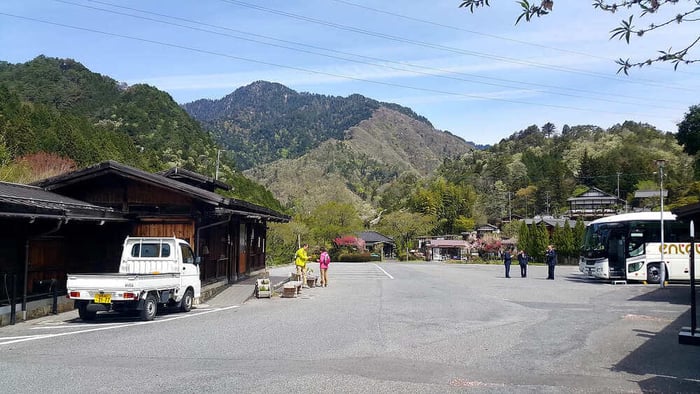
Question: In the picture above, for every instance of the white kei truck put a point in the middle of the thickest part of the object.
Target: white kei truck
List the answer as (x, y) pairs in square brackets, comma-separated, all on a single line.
[(153, 272)]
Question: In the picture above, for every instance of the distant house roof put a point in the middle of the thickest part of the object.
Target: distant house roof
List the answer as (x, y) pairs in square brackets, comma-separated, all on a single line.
[(34, 202), (551, 222), (447, 243), (225, 204), (487, 227), (649, 193), (594, 194), (373, 237)]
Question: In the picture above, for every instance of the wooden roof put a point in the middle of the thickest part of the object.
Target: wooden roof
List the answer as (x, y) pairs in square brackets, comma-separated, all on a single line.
[(33, 202), (372, 237), (224, 204)]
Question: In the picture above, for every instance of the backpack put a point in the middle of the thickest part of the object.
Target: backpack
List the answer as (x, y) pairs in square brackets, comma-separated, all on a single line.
[(325, 258)]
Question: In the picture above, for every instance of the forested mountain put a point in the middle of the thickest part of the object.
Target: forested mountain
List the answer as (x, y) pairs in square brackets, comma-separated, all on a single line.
[(370, 156), (535, 171), (60, 107), (265, 121)]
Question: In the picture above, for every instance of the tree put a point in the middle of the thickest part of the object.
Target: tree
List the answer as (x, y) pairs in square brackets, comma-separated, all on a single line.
[(626, 30), (331, 220), (563, 237), (283, 240), (587, 170), (404, 227), (524, 238), (549, 129), (579, 233), (540, 240), (689, 131)]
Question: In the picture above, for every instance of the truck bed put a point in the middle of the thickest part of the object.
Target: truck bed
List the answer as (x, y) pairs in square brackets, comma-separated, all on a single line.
[(118, 282)]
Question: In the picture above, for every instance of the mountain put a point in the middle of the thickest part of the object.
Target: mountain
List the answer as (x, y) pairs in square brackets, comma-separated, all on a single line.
[(308, 148), (59, 106), (371, 155), (265, 121)]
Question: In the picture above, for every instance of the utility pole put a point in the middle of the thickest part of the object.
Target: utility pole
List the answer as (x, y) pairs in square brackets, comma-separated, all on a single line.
[(661, 163), (547, 202), (618, 184), (218, 155), (510, 211)]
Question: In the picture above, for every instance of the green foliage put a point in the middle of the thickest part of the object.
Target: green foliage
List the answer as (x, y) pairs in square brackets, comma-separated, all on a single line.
[(60, 107), (540, 239), (446, 202), (556, 168), (405, 227), (243, 188), (525, 238), (689, 131), (266, 121), (510, 229), (579, 232), (355, 257), (331, 220), (283, 240), (563, 238)]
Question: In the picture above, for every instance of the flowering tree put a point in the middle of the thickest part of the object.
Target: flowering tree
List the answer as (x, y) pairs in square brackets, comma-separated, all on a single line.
[(350, 242)]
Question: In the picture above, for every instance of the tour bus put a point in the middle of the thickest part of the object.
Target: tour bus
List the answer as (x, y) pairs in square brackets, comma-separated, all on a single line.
[(628, 247)]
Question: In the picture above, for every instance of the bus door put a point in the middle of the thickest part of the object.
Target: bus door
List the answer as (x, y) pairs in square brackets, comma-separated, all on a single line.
[(616, 253)]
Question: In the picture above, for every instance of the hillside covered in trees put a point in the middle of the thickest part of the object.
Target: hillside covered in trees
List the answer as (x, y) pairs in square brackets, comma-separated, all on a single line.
[(265, 121), (59, 107)]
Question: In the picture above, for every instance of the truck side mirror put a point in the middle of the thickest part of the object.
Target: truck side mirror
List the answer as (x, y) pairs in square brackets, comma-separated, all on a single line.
[(197, 260)]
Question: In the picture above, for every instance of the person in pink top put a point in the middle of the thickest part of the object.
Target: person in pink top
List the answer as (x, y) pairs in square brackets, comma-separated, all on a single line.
[(324, 260)]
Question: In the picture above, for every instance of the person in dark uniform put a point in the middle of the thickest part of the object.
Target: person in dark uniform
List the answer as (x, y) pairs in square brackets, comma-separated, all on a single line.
[(551, 258), (507, 259), (522, 260)]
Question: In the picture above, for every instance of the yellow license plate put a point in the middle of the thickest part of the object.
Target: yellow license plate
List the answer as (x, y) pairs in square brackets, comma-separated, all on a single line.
[(103, 298)]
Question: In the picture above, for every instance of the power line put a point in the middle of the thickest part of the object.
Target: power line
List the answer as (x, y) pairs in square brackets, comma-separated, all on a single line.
[(441, 72), (306, 70), (451, 49), (457, 28)]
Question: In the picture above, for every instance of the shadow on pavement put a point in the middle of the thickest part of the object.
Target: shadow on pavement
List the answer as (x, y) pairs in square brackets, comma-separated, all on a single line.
[(676, 366)]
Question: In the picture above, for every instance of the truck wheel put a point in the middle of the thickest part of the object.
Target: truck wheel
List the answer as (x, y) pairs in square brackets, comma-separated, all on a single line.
[(653, 274), (150, 307), (85, 314), (187, 301)]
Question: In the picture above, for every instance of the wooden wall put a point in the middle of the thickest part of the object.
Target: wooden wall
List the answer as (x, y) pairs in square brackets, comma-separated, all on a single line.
[(158, 227)]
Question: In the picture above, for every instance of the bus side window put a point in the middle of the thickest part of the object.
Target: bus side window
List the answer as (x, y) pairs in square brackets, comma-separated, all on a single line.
[(636, 244)]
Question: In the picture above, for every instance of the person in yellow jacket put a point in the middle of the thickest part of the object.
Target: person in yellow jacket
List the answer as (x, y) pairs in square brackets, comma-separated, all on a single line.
[(300, 259)]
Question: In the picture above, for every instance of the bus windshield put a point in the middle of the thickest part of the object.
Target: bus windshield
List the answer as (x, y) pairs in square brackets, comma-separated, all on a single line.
[(596, 239)]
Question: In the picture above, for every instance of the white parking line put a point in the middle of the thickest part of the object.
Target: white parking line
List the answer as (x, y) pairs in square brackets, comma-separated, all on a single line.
[(74, 326), (385, 273), (111, 327)]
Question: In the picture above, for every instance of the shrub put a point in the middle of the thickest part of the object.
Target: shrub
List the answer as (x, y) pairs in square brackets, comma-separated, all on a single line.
[(355, 257)]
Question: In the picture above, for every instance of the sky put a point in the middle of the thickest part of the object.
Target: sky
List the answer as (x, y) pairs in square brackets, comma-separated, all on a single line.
[(479, 76)]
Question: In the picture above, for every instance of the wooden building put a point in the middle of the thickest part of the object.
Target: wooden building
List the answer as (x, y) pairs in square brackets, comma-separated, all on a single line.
[(77, 222), (593, 204), (373, 239)]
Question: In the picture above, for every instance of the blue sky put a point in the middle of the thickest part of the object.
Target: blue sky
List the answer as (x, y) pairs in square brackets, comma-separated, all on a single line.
[(479, 75)]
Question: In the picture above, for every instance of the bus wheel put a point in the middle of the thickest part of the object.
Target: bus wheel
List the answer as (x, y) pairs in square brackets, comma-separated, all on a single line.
[(653, 274)]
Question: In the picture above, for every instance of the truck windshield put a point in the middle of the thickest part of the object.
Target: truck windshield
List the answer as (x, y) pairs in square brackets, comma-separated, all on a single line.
[(150, 250)]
